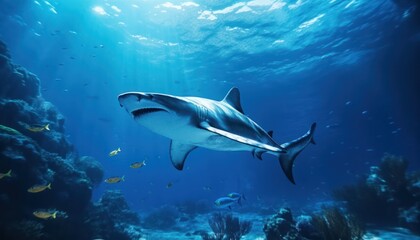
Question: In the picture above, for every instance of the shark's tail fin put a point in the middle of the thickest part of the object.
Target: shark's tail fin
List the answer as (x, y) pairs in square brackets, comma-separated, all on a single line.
[(293, 149)]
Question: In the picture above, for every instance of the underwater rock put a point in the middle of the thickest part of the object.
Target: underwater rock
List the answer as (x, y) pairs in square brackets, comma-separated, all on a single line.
[(281, 226), (3, 50), (306, 229), (19, 115), (114, 202), (25, 229), (410, 218), (33, 155), (91, 167), (111, 218), (31, 165), (163, 218), (17, 82), (22, 106), (388, 192)]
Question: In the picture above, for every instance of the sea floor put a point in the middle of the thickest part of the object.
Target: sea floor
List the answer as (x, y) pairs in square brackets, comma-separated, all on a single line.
[(188, 230)]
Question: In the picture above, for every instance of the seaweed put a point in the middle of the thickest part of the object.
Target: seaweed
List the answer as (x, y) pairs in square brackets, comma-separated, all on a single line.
[(388, 192), (226, 227), (332, 224)]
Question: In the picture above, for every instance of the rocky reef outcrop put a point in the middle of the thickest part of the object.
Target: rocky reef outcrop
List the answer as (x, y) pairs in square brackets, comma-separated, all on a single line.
[(328, 224), (111, 218), (45, 186)]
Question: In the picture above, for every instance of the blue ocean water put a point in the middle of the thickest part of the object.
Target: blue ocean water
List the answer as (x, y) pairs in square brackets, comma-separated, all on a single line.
[(351, 66)]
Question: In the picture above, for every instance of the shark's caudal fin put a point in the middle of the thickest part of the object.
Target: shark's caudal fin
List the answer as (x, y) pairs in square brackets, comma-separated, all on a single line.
[(293, 149)]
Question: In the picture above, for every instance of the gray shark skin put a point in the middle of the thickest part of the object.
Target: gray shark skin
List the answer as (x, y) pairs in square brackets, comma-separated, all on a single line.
[(192, 122)]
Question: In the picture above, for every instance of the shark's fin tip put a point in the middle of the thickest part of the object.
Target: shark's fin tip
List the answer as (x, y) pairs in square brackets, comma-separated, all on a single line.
[(179, 152)]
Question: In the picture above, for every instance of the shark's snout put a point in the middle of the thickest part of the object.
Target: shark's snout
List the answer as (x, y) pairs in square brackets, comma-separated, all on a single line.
[(139, 104), (131, 97)]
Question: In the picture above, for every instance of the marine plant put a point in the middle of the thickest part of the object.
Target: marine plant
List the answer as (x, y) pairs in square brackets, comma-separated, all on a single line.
[(226, 227), (388, 192), (332, 224)]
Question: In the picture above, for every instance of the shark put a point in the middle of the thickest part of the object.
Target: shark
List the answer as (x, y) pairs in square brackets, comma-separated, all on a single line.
[(192, 122)]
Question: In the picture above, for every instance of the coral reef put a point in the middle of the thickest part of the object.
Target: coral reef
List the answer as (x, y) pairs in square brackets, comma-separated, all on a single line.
[(35, 151), (390, 194), (281, 226), (111, 218), (226, 227), (331, 223)]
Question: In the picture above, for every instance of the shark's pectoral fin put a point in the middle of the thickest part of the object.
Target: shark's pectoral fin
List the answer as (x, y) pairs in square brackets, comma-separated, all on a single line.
[(241, 139), (179, 152), (257, 153)]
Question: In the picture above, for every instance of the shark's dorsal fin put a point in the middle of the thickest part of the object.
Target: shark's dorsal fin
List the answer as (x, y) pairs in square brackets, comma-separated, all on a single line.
[(233, 99), (179, 152)]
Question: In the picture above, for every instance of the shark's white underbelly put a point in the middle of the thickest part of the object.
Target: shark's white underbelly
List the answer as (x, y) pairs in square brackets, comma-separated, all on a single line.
[(205, 139)]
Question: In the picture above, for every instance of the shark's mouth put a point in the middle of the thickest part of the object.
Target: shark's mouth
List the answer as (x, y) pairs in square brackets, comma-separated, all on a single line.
[(144, 111)]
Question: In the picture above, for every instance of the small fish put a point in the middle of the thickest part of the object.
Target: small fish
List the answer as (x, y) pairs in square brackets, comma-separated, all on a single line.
[(45, 215), (224, 202), (207, 188), (39, 188), (114, 152), (115, 179), (8, 174), (37, 128), (333, 125), (138, 164), (169, 185), (236, 196)]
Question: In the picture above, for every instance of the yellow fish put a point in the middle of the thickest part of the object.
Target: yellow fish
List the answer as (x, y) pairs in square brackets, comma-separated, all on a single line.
[(8, 174), (39, 188), (45, 215), (114, 179), (114, 152), (138, 164), (39, 128)]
